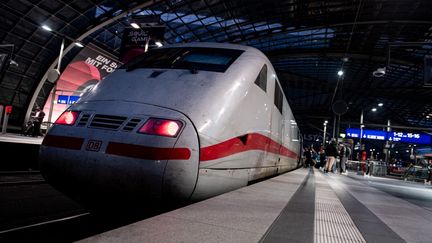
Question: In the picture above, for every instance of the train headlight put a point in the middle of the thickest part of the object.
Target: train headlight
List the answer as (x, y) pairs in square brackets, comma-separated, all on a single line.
[(68, 118), (161, 127)]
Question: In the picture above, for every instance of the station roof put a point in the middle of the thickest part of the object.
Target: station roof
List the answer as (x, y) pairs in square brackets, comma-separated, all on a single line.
[(307, 42)]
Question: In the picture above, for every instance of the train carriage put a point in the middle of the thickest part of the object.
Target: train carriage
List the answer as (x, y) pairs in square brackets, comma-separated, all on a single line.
[(180, 123)]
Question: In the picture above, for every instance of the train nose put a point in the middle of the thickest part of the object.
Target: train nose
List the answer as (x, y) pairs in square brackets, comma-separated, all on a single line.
[(115, 158)]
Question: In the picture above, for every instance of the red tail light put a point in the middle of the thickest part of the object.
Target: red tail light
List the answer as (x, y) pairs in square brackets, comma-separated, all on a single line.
[(161, 127), (68, 118)]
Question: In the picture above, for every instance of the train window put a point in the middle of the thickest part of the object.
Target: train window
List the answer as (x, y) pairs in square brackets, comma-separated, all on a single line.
[(196, 58), (295, 133), (278, 96), (261, 80)]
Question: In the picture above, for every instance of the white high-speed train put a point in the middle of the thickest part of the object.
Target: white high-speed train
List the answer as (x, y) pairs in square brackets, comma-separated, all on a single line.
[(184, 122)]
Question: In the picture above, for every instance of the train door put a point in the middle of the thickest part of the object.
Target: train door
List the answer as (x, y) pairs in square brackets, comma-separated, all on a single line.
[(277, 122)]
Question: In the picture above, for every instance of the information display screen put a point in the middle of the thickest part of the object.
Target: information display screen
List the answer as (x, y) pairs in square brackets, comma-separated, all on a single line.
[(62, 99), (66, 99), (409, 137), (404, 137), (367, 134)]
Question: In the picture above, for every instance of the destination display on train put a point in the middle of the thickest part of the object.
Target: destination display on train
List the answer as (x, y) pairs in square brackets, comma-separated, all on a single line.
[(395, 136)]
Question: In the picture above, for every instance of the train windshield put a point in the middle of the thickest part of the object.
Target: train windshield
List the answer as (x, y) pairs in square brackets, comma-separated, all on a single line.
[(206, 59)]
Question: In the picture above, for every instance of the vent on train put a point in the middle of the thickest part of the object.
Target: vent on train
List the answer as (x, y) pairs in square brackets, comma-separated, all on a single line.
[(84, 119), (131, 124), (107, 122)]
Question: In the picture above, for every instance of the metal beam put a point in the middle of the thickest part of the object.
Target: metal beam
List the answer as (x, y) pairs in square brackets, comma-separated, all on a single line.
[(80, 38), (357, 56)]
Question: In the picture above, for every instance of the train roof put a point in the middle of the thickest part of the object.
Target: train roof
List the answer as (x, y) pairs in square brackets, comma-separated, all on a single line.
[(216, 45)]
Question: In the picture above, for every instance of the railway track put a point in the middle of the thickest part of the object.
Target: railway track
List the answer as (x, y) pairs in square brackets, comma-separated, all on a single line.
[(70, 228), (11, 178), (32, 211)]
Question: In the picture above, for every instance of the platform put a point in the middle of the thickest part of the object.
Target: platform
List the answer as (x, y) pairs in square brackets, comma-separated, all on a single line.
[(300, 206), (22, 152)]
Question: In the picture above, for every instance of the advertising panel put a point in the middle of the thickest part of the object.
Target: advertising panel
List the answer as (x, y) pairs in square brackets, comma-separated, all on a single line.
[(90, 66)]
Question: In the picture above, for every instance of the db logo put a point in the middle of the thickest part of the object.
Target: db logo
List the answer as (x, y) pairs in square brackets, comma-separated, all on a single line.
[(94, 145)]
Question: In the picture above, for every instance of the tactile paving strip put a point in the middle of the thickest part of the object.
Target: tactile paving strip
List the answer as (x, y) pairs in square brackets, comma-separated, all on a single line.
[(332, 222)]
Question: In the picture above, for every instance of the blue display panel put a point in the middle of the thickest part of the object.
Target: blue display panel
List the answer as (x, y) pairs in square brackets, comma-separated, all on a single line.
[(367, 134), (404, 137), (73, 99), (67, 100), (62, 99), (409, 137)]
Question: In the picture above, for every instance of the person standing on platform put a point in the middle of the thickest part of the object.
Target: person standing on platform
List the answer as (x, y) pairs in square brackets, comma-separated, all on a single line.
[(429, 168), (331, 153), (342, 158), (308, 157), (322, 158), (39, 116)]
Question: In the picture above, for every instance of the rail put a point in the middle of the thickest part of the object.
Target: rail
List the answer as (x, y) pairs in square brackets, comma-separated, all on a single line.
[(379, 168)]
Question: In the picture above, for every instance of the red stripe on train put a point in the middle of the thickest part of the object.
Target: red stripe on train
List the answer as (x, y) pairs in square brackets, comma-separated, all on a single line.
[(150, 153), (253, 141), (63, 142)]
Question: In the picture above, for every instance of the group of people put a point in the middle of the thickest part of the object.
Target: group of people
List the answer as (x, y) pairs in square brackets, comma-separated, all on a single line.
[(327, 157)]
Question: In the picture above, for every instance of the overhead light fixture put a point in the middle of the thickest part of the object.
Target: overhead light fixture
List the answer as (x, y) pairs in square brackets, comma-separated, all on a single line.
[(380, 104), (374, 109), (427, 117), (159, 44), (380, 72), (14, 63), (79, 44), (135, 25), (340, 73), (46, 27)]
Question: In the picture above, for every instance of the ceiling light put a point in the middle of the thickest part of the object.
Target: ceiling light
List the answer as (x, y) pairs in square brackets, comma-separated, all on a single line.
[(79, 44), (380, 72), (12, 62), (46, 27), (380, 104), (374, 109), (159, 44), (340, 73), (427, 117), (135, 25)]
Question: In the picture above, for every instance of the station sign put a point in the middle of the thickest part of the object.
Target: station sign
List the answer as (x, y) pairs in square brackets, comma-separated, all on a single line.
[(366, 134), (67, 99), (394, 136), (409, 137)]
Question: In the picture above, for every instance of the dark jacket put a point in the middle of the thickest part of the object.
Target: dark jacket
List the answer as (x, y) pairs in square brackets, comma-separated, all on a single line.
[(331, 150)]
